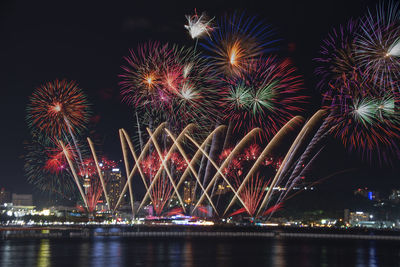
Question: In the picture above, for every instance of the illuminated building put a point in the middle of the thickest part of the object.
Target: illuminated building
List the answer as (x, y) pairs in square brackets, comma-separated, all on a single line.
[(114, 185), (395, 196), (189, 192), (360, 218), (222, 189), (365, 192), (5, 196), (21, 199)]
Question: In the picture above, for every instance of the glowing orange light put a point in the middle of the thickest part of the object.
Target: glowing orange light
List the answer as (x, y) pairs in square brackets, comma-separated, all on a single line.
[(234, 54), (55, 108), (149, 80)]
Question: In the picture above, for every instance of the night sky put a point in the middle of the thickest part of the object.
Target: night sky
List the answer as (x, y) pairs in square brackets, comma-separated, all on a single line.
[(86, 42)]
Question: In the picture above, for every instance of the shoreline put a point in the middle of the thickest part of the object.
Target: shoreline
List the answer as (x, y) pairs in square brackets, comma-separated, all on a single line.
[(195, 232)]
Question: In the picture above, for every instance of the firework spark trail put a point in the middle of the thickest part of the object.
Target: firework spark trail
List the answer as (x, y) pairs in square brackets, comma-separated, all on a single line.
[(126, 163), (81, 165), (291, 182), (252, 191), (212, 154), (292, 154), (365, 117), (165, 167), (67, 156), (315, 141), (99, 172), (291, 125), (159, 171), (199, 153), (135, 158), (190, 167), (139, 131), (136, 166), (236, 150), (171, 83)]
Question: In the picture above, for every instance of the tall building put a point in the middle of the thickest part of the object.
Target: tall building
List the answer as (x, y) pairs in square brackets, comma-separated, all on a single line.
[(189, 192), (115, 184), (5, 196)]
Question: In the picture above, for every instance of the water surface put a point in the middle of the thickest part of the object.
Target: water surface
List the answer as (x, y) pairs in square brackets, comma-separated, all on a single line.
[(118, 251)]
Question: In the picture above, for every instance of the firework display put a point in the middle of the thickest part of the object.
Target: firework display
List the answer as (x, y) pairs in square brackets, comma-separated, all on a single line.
[(198, 26), (337, 59), (359, 69), (244, 171), (366, 120), (57, 109), (222, 120), (92, 180), (172, 84), (267, 94), (377, 44), (47, 169), (237, 41)]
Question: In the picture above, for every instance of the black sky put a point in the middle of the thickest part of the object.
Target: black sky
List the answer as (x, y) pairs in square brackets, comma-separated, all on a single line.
[(85, 41)]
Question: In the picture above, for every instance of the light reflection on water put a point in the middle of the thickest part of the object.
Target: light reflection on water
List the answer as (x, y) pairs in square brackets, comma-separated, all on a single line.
[(120, 252)]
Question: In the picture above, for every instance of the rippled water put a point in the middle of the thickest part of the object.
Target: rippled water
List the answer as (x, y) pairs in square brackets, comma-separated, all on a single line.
[(117, 251)]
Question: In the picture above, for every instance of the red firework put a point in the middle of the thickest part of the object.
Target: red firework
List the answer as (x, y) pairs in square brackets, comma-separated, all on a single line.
[(89, 169), (57, 161), (92, 183), (162, 187), (252, 193), (254, 190), (57, 109)]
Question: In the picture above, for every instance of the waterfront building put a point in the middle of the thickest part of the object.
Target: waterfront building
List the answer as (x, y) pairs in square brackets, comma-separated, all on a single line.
[(189, 189), (115, 184), (22, 199), (5, 196)]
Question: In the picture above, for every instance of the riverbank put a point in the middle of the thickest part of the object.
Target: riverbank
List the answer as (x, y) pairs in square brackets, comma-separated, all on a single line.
[(216, 231)]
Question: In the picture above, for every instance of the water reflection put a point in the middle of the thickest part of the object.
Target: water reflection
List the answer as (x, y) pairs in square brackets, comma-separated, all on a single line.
[(106, 252), (187, 254), (372, 262), (116, 251), (43, 258), (278, 253), (5, 257), (84, 252)]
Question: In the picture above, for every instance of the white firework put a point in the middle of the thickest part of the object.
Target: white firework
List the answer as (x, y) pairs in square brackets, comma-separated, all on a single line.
[(394, 49), (198, 26)]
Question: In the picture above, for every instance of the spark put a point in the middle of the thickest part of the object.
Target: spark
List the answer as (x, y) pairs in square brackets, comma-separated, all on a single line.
[(198, 26), (394, 49)]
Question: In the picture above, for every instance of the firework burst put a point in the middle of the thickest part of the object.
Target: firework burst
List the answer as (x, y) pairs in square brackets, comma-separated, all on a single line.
[(58, 109), (237, 41), (183, 87), (377, 44), (142, 77), (266, 95), (366, 119), (198, 26), (336, 57), (47, 169)]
